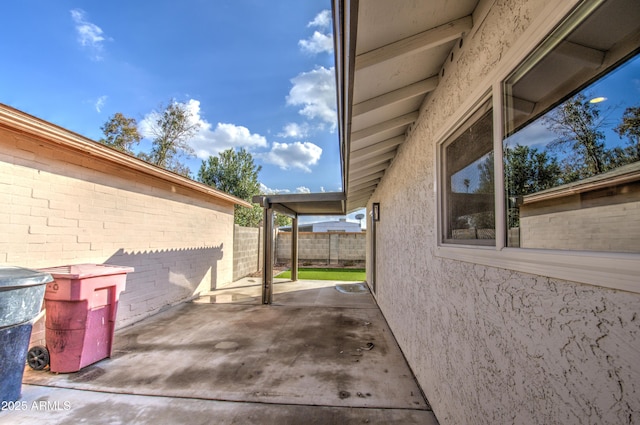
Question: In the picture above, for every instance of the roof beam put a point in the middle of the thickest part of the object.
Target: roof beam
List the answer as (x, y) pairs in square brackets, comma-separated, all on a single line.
[(586, 56), (391, 124), (279, 208), (368, 171), (361, 198), (358, 193), (369, 185), (301, 197), (425, 40), (522, 105), (356, 182), (404, 93), (376, 149), (375, 161)]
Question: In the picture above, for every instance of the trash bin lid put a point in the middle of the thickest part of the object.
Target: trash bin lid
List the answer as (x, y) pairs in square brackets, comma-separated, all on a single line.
[(83, 271), (19, 277)]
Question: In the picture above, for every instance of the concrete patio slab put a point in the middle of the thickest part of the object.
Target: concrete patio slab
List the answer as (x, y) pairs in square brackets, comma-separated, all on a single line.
[(60, 406), (316, 351)]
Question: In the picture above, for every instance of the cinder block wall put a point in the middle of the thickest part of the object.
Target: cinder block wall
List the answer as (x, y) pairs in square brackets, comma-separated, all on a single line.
[(62, 207), (247, 251), (603, 228), (351, 246), (330, 248)]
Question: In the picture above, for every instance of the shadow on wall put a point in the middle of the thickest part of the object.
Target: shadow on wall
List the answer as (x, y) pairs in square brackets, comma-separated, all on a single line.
[(163, 278)]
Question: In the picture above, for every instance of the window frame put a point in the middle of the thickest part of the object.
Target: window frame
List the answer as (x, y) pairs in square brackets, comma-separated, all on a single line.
[(619, 271), (484, 106)]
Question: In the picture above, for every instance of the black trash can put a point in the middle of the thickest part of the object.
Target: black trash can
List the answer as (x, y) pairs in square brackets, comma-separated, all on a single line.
[(21, 295)]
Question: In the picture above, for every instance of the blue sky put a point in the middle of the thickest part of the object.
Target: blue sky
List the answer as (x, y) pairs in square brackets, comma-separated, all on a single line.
[(255, 74), (617, 91)]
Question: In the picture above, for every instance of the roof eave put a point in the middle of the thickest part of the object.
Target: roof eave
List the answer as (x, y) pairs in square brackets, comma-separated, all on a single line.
[(18, 121)]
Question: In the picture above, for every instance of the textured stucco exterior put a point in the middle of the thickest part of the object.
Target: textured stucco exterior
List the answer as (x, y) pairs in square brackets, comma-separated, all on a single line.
[(489, 345), (63, 206)]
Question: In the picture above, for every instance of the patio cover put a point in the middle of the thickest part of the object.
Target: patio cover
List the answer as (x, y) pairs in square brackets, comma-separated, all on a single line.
[(389, 56), (327, 203), (295, 205)]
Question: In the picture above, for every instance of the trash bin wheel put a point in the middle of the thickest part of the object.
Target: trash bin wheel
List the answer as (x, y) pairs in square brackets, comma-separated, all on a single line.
[(38, 358)]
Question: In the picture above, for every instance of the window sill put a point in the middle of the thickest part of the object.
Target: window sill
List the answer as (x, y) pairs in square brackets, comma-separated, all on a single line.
[(611, 270)]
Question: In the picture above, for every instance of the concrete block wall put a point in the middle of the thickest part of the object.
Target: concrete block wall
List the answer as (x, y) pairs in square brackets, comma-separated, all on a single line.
[(612, 228), (247, 251), (62, 207), (351, 246), (330, 248)]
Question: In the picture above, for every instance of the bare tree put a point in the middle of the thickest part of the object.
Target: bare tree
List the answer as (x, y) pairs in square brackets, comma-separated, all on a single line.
[(578, 124), (171, 130), (630, 127)]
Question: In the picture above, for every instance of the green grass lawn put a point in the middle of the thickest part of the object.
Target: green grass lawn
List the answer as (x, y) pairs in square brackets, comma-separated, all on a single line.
[(326, 274)]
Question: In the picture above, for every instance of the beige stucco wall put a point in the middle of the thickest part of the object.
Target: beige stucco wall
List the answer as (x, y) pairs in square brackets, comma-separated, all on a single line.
[(64, 207), (488, 345)]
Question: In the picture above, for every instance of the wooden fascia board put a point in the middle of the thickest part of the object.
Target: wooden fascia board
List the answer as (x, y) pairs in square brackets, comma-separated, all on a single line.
[(20, 122)]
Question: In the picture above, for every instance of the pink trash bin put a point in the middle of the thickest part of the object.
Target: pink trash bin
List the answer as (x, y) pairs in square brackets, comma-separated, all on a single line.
[(81, 305)]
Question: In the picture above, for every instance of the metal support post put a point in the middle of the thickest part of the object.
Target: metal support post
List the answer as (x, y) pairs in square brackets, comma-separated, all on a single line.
[(294, 248), (267, 269)]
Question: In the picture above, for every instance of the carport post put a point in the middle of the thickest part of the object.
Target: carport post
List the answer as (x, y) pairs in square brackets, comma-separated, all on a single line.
[(294, 248), (267, 269)]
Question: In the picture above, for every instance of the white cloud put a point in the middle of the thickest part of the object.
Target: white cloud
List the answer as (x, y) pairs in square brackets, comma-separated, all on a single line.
[(293, 155), (320, 41), (209, 140), (100, 103), (225, 136), (315, 91), (146, 124), (268, 191), (317, 43), (90, 36), (295, 130), (322, 20)]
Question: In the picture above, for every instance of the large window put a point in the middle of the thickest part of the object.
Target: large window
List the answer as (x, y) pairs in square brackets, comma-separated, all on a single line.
[(572, 175), (565, 133), (469, 202)]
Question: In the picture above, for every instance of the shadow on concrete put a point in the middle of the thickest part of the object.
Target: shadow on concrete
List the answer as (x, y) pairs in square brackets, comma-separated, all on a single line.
[(163, 278), (317, 354)]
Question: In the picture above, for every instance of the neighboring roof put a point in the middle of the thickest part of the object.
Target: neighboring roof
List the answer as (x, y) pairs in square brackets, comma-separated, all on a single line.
[(625, 174), (17, 121), (389, 55)]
